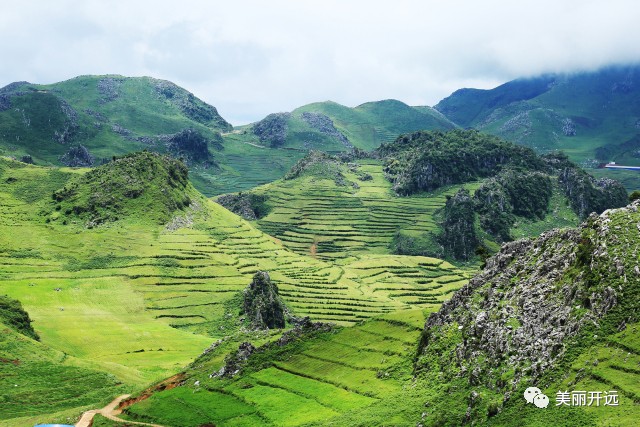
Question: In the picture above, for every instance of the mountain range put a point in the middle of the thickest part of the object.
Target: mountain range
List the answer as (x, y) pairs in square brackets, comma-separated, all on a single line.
[(594, 117), (428, 271)]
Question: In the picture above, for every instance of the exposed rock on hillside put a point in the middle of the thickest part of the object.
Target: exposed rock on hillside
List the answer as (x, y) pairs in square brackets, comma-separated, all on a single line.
[(273, 129), (521, 314), (588, 194), (262, 304), (190, 145), (325, 125), (191, 106), (459, 238), (108, 88), (249, 206), (237, 361), (77, 157)]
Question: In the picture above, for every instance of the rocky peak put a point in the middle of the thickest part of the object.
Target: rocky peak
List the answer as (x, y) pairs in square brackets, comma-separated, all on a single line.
[(517, 317), (262, 303)]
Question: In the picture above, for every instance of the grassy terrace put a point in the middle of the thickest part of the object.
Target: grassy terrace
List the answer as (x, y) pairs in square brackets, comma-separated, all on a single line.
[(324, 378), (128, 303), (315, 216)]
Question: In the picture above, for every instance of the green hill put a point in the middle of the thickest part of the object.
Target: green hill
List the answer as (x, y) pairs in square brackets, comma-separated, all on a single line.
[(557, 312), (338, 208), (592, 116), (138, 296), (329, 126)]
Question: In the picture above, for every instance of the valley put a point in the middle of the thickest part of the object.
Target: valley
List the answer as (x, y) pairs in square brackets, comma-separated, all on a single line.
[(429, 273)]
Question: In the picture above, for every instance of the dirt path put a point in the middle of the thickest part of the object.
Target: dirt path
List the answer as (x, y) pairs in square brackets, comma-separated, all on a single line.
[(110, 412)]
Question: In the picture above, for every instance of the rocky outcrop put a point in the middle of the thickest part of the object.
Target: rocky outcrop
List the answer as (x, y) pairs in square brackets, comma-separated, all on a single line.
[(237, 361), (273, 129), (191, 145), (324, 124), (191, 106), (77, 157), (262, 304), (234, 362), (459, 238), (249, 206), (109, 89), (518, 317), (588, 194)]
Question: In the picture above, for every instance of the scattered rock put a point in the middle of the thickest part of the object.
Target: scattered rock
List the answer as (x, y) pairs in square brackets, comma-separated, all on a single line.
[(108, 88)]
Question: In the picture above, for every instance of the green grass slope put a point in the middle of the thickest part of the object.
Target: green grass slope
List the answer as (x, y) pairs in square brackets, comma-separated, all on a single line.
[(329, 126), (343, 211), (326, 378), (592, 116), (138, 296)]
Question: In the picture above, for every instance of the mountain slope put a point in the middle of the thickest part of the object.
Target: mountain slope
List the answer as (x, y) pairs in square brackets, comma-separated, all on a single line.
[(592, 116), (329, 126), (347, 207), (139, 295)]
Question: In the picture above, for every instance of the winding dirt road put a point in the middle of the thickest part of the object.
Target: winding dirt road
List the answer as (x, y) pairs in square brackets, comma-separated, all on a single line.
[(110, 411)]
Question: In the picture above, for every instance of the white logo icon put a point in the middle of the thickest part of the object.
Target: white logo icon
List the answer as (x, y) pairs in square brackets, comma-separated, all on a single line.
[(541, 401), (534, 395)]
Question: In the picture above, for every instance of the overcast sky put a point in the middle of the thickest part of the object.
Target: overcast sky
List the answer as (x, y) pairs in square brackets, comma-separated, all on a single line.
[(251, 58)]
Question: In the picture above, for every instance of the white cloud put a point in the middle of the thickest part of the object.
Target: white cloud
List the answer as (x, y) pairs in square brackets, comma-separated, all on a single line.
[(251, 58)]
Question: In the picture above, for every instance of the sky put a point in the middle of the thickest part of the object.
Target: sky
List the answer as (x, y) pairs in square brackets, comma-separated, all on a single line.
[(250, 58)]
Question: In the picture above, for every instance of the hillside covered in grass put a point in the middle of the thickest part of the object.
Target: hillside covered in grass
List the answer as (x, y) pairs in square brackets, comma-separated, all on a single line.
[(592, 116), (403, 199), (558, 312), (131, 300), (329, 126)]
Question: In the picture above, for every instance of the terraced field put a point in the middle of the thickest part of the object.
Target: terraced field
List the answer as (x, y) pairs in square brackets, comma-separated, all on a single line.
[(315, 216), (333, 374)]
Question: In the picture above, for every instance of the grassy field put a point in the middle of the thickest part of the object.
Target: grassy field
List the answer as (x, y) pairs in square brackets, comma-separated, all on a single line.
[(132, 302), (321, 380), (314, 215)]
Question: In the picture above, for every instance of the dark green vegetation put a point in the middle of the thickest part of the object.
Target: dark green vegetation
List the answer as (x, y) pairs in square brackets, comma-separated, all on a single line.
[(425, 161), (592, 116), (141, 182), (262, 304), (520, 185), (532, 318), (13, 315)]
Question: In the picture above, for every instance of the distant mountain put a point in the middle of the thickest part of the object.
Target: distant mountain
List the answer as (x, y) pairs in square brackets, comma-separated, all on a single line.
[(593, 116), (329, 126)]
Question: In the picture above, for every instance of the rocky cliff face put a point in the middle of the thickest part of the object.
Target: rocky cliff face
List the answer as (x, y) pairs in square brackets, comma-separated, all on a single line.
[(459, 238), (522, 313), (588, 194)]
